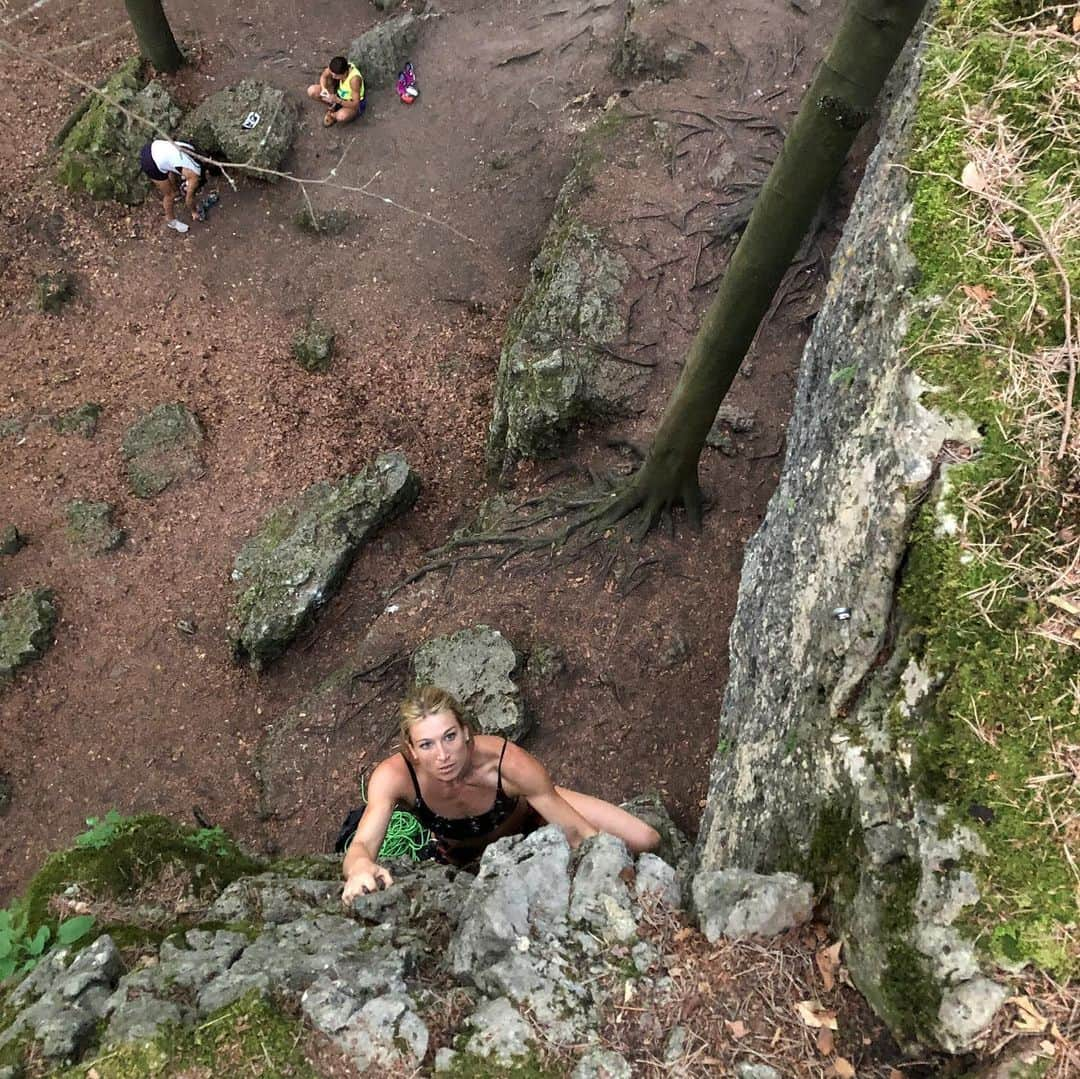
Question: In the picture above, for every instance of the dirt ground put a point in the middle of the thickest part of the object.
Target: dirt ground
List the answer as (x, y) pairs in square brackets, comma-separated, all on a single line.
[(126, 711)]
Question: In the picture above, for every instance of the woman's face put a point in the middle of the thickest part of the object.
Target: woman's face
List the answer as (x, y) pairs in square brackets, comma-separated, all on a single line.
[(440, 745)]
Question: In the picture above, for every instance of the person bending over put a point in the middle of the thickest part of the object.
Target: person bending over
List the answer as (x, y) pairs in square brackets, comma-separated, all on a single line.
[(341, 89), (173, 171), (470, 789)]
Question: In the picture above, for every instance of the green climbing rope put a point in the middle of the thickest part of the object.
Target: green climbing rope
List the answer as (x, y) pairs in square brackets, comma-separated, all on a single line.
[(405, 836)]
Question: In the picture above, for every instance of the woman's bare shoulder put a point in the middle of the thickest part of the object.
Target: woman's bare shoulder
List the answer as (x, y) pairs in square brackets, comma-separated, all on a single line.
[(391, 778)]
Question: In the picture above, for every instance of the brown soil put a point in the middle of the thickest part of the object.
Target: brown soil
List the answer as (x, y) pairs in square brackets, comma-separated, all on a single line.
[(126, 711)]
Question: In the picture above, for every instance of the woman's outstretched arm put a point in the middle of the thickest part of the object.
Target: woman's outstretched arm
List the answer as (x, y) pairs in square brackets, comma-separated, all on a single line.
[(362, 873)]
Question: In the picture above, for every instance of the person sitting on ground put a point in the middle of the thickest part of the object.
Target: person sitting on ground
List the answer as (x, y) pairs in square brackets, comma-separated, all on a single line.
[(469, 789), (341, 89), (173, 171)]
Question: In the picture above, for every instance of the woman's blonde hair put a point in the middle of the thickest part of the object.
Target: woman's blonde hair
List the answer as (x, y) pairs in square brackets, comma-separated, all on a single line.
[(426, 701)]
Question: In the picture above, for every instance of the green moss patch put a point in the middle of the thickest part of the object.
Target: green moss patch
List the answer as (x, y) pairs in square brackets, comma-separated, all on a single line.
[(252, 1037), (130, 853), (982, 563)]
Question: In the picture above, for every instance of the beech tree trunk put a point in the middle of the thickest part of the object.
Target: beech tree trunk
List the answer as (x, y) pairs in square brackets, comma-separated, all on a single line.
[(156, 41), (834, 108)]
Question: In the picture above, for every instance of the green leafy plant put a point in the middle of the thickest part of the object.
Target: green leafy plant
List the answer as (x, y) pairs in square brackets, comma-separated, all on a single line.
[(213, 841), (20, 951), (100, 831)]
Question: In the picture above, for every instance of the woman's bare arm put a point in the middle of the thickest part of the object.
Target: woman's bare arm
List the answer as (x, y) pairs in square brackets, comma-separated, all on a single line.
[(362, 873), (526, 776)]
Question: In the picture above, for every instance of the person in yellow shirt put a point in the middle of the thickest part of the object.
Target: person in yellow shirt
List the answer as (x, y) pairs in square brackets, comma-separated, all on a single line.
[(341, 89)]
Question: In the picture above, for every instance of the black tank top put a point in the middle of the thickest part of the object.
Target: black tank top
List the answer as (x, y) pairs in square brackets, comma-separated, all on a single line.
[(459, 828)]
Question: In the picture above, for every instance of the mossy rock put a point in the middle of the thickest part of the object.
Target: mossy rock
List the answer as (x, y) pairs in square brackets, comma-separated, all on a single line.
[(330, 222), (648, 46), (216, 126), (313, 347), (100, 154), (12, 541), (115, 860), (78, 421), (554, 370), (26, 625), (382, 51), (162, 448), (90, 526), (302, 551), (52, 291)]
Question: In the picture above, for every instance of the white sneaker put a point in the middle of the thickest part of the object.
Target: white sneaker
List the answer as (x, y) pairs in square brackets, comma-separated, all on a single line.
[(177, 226)]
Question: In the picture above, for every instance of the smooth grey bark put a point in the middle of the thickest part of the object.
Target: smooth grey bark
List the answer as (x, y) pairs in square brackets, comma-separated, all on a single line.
[(833, 110), (156, 41)]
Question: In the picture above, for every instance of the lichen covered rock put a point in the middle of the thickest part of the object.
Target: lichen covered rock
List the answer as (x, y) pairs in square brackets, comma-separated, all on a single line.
[(12, 541), (477, 666), (53, 290), (216, 126), (299, 556), (100, 154), (554, 370), (812, 774), (162, 448), (26, 624), (313, 347), (90, 526), (651, 44), (381, 52), (81, 420)]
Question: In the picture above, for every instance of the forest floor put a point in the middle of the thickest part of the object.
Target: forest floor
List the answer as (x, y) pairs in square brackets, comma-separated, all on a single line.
[(126, 711)]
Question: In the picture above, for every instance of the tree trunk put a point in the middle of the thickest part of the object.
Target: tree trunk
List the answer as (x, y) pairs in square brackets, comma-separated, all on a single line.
[(156, 41), (834, 108)]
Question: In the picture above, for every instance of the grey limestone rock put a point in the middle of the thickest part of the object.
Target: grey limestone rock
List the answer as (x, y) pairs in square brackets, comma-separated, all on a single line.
[(477, 666), (100, 152), (274, 899), (72, 998), (90, 526), (600, 895), (675, 848), (385, 1033), (302, 551), (812, 774), (602, 1064), (26, 624), (649, 46), (967, 1010), (216, 126), (738, 903), (381, 52), (656, 879), (499, 1033), (162, 448), (521, 893), (750, 1069), (313, 347), (554, 370)]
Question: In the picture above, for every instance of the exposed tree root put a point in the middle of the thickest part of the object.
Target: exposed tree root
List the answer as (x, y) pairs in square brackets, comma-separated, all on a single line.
[(564, 524)]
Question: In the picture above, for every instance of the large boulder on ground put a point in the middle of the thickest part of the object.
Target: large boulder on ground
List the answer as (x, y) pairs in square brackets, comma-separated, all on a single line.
[(477, 666), (26, 624), (100, 154), (299, 556), (162, 448), (653, 43), (557, 366), (216, 127), (381, 52)]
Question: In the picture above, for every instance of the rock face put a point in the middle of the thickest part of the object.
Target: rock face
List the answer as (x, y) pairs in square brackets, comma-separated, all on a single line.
[(215, 127), (162, 448), (299, 556), (100, 154), (525, 948), (477, 666), (382, 51), (810, 776), (26, 624), (556, 368)]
